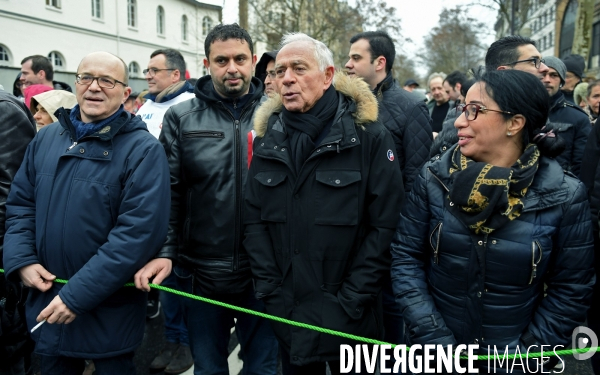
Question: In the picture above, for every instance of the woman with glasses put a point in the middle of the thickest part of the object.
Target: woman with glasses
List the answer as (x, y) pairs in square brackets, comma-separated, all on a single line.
[(488, 225)]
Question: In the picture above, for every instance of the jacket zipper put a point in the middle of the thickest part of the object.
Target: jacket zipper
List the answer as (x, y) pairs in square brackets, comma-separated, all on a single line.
[(204, 133), (238, 182), (436, 248), (535, 261), (437, 178)]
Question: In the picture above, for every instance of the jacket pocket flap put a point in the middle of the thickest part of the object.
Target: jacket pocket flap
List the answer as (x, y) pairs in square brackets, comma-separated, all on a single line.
[(270, 178), (338, 178)]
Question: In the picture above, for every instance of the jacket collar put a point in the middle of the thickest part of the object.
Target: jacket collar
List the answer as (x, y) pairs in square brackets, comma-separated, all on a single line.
[(125, 123), (384, 85), (185, 87), (547, 189), (556, 99)]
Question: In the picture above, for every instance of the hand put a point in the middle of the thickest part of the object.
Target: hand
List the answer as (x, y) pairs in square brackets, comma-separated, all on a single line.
[(36, 276), (158, 268), (57, 312)]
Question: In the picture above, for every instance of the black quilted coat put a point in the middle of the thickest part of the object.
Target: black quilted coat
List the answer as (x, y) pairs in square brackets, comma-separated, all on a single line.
[(410, 124)]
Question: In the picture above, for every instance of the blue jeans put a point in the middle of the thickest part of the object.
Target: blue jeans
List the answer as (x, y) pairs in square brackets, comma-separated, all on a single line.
[(209, 329), (172, 306), (59, 365)]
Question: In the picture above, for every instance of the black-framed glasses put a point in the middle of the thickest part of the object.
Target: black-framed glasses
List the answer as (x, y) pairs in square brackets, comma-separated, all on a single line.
[(472, 110), (537, 62), (153, 71), (104, 82)]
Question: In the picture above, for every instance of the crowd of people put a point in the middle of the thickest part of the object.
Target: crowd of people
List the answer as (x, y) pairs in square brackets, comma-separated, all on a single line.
[(335, 198)]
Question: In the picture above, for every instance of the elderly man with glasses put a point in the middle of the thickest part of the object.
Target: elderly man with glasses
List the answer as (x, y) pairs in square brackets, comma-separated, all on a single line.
[(90, 204)]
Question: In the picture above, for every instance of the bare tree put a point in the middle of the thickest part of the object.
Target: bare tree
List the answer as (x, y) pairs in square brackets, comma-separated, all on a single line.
[(454, 43)]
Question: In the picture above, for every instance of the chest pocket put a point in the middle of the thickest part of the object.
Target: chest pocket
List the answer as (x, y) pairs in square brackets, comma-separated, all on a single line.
[(336, 197), (272, 196)]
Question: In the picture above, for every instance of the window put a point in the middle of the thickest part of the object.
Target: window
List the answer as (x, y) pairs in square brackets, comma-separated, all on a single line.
[(567, 31), (53, 3), (57, 60), (545, 19), (551, 39), (131, 13), (97, 9), (134, 69), (206, 25), (184, 28), (595, 50), (544, 45), (160, 20), (4, 55)]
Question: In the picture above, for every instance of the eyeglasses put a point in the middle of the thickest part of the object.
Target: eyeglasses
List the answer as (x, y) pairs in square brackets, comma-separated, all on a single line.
[(153, 71), (104, 82), (537, 62), (471, 110)]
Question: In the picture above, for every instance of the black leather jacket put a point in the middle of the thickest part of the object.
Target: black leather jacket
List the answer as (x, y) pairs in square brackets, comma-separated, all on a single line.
[(17, 129), (208, 152)]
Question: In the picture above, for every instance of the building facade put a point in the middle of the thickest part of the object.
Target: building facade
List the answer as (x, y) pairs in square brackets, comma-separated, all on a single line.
[(66, 30)]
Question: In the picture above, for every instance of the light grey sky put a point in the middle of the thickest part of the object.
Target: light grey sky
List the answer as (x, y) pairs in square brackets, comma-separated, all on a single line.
[(417, 18)]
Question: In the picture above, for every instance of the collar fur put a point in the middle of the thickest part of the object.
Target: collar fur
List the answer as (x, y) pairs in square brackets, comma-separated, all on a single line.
[(354, 88)]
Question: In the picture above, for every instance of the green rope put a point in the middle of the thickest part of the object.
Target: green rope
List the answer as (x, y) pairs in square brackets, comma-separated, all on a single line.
[(333, 332)]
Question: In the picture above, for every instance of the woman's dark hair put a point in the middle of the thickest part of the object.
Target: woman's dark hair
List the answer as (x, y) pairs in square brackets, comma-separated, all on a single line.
[(523, 93), (466, 86)]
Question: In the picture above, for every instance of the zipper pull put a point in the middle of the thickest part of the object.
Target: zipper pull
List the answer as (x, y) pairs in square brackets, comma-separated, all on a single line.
[(235, 104), (73, 145), (337, 144)]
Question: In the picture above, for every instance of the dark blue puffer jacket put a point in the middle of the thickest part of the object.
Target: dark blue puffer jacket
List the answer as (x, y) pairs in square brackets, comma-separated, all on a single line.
[(93, 213), (454, 286)]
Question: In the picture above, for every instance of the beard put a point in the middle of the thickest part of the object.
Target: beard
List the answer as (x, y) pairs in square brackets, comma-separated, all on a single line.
[(232, 91)]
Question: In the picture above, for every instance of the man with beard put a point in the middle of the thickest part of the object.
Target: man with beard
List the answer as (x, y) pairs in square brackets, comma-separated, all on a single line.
[(568, 120), (208, 141)]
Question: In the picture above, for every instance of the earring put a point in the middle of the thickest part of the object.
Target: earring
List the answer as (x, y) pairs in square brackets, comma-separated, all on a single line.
[(509, 134)]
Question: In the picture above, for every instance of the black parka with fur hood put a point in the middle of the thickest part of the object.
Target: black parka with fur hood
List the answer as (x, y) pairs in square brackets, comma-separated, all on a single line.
[(318, 241)]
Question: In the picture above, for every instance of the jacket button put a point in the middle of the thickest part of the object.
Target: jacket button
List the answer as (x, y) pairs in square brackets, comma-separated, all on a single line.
[(480, 243), (451, 204), (444, 148), (493, 242), (262, 144), (476, 341), (318, 150), (338, 182), (275, 147), (479, 294), (105, 153), (283, 149), (437, 157), (353, 140), (81, 151), (269, 180)]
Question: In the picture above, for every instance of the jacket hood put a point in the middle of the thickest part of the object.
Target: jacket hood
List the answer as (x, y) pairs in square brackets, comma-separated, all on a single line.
[(32, 90), (261, 67), (356, 89), (204, 90), (53, 100), (61, 86)]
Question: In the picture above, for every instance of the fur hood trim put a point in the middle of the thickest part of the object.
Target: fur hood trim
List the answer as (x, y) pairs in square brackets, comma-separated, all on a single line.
[(355, 88)]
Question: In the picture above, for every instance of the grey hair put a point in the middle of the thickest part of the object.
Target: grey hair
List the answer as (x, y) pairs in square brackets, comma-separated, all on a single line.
[(441, 75), (323, 54)]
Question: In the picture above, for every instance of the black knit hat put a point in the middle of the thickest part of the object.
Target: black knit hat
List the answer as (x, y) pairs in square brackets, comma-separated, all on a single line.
[(261, 67), (575, 64)]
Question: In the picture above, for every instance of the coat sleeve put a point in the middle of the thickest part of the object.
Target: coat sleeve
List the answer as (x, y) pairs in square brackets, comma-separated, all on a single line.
[(409, 278), (571, 277), (19, 243), (138, 234), (169, 138), (582, 130), (416, 143), (257, 241), (16, 131), (382, 205)]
